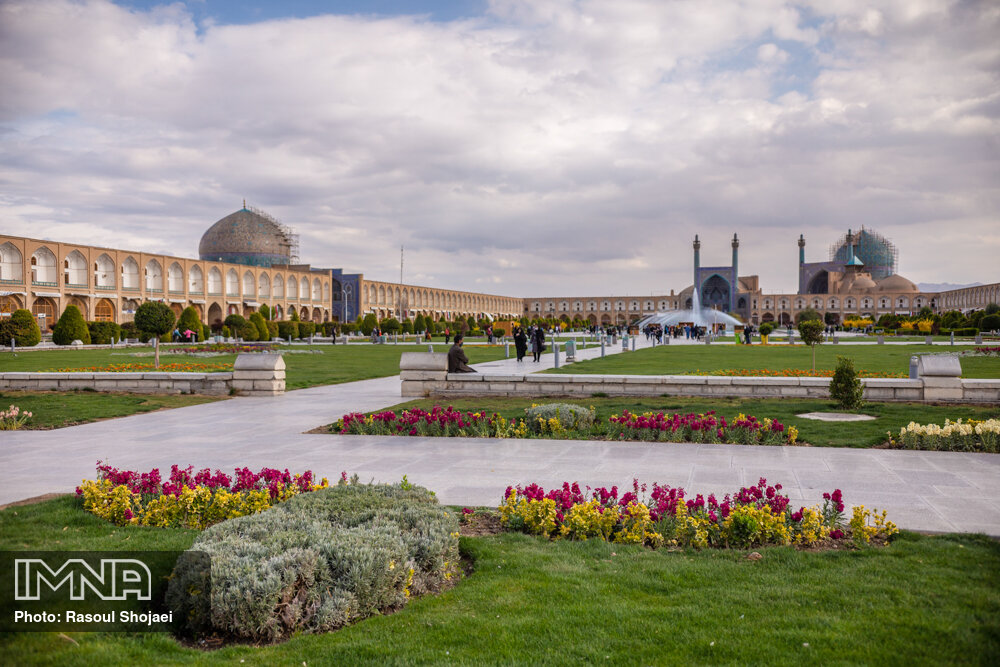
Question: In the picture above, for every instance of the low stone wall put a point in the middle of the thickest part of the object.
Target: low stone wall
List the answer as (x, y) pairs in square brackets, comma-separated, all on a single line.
[(252, 375), (216, 384), (425, 375)]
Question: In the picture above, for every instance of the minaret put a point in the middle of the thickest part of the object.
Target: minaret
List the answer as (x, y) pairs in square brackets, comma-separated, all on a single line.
[(697, 259), (850, 247), (802, 249), (736, 273)]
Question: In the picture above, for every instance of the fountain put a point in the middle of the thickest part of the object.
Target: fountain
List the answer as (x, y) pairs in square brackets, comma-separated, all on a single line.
[(694, 315)]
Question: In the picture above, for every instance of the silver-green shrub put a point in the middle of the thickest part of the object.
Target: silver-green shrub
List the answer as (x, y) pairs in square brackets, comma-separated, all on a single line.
[(317, 562), (571, 417)]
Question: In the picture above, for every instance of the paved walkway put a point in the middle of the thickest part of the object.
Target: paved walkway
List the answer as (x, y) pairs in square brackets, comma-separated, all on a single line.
[(932, 491)]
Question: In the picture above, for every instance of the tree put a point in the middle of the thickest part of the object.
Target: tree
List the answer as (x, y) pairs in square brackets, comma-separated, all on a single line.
[(258, 321), (265, 312), (925, 313), (806, 315), (419, 324), (389, 325), (156, 318), (830, 318), (990, 323), (248, 331), (70, 327), (368, 324), (992, 309), (234, 322), (20, 327), (845, 387), (812, 334), (294, 315), (189, 320)]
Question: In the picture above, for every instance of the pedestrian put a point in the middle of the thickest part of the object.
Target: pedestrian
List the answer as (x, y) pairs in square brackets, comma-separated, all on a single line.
[(538, 344), (520, 343), (447, 335)]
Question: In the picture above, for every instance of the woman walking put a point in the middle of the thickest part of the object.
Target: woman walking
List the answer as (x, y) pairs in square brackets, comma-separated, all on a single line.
[(538, 343), (520, 343)]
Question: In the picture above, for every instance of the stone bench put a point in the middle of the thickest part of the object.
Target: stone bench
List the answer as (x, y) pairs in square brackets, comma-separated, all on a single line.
[(259, 375)]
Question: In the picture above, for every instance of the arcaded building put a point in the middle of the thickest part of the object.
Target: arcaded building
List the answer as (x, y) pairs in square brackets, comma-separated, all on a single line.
[(246, 259)]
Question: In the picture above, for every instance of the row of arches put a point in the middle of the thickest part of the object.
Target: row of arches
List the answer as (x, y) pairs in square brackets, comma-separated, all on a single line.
[(75, 273), (393, 296), (971, 297), (849, 302)]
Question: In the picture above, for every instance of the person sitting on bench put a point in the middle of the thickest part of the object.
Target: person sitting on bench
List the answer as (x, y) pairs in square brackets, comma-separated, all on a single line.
[(457, 361)]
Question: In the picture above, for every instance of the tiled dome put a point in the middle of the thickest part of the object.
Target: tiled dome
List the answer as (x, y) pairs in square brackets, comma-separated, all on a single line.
[(247, 237)]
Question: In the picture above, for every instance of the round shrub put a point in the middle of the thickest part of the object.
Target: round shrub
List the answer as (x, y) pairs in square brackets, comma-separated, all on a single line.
[(569, 416), (766, 328), (248, 332), (20, 327), (316, 564), (189, 320), (845, 387), (234, 322), (70, 327), (989, 323), (272, 330), (129, 330)]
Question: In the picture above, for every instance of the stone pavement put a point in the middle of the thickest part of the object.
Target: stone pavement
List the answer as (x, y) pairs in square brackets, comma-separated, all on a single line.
[(931, 491)]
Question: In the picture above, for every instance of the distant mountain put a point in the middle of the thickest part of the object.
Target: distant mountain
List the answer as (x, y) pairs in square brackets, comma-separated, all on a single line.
[(942, 287)]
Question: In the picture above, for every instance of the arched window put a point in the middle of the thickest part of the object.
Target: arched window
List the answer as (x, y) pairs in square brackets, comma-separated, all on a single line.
[(104, 272), (317, 291), (8, 304), (154, 276), (264, 289), (249, 285), (44, 311), (278, 287), (104, 311), (326, 292), (215, 281), (175, 278), (196, 280), (130, 274), (11, 264), (43, 267), (293, 288), (232, 284), (75, 269)]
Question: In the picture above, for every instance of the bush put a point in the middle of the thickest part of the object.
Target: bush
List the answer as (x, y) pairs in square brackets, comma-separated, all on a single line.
[(990, 323), (288, 330), (71, 327), (226, 332), (154, 318), (766, 328), (566, 415), (845, 387), (967, 331), (102, 333), (258, 321), (306, 329), (189, 320), (807, 315), (368, 324), (129, 330), (272, 330), (389, 325), (320, 561), (499, 332), (206, 332), (248, 332), (20, 327)]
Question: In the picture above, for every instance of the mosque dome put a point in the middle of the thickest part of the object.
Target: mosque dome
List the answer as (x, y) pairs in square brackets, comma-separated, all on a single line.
[(248, 236), (896, 283), (858, 282)]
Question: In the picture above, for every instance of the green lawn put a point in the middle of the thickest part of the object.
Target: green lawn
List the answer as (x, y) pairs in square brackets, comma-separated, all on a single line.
[(889, 416), (682, 359), (923, 600), (334, 364), (56, 409)]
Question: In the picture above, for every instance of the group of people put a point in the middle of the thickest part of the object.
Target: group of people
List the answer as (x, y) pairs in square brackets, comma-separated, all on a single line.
[(534, 336)]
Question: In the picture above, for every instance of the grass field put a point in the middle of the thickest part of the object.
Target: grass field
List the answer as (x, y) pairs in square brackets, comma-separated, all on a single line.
[(56, 409), (683, 359), (889, 416), (334, 363), (922, 600)]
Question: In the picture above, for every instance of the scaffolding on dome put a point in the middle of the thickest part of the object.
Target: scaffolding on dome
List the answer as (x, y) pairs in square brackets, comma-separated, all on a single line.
[(879, 255), (291, 239)]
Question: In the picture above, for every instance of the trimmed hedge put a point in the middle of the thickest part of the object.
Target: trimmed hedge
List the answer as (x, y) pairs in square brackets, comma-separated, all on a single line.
[(318, 562), (101, 333), (306, 329), (288, 329)]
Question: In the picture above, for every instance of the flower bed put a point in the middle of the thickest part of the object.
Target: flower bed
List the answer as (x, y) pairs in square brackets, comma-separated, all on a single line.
[(791, 373), (649, 426), (969, 436), (224, 348), (188, 499), (13, 419), (753, 516), (134, 367), (988, 351)]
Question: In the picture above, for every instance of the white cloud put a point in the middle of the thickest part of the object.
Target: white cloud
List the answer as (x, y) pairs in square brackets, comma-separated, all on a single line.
[(570, 147)]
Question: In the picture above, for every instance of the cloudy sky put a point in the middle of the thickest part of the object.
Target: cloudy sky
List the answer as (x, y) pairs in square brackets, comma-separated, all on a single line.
[(520, 147)]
